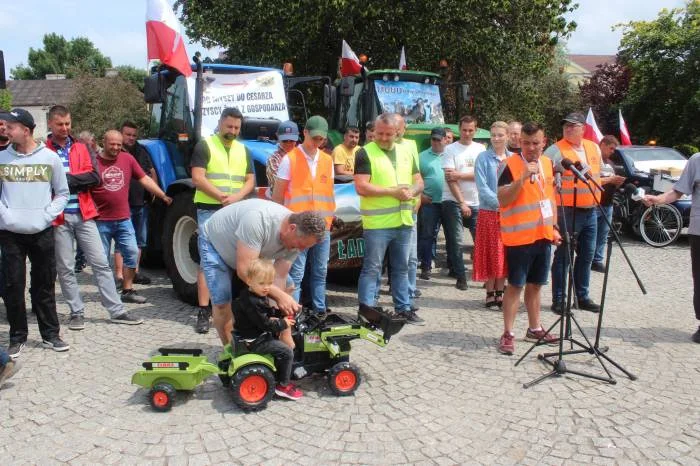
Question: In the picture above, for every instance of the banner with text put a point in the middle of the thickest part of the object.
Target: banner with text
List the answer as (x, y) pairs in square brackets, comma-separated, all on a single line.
[(416, 102), (256, 95)]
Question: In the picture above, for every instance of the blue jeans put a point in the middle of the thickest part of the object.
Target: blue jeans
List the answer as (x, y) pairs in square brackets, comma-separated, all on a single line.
[(413, 259), (397, 241), (429, 218), (217, 274), (603, 230), (139, 218), (124, 237), (318, 257), (586, 232), (470, 222), (454, 237), (4, 358)]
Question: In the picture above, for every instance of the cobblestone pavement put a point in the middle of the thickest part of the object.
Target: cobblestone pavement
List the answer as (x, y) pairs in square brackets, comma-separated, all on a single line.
[(437, 394)]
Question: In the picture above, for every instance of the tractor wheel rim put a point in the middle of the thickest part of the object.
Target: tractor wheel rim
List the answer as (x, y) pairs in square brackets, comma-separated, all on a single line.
[(345, 380), (160, 399), (253, 388)]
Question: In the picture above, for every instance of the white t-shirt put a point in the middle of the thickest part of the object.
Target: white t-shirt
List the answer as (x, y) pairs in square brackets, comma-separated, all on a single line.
[(461, 158), (283, 172)]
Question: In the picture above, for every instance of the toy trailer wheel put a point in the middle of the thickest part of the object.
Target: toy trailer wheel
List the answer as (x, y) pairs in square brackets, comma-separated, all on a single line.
[(162, 397), (343, 379), (253, 387)]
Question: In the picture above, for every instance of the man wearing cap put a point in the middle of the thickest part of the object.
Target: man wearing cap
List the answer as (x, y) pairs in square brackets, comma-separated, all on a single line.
[(386, 179), (430, 213), (287, 138), (305, 183), (33, 192), (344, 154), (222, 173), (577, 204)]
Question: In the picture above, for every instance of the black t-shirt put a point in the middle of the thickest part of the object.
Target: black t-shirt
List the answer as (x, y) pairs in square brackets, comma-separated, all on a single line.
[(200, 158), (137, 193), (253, 313), (363, 166)]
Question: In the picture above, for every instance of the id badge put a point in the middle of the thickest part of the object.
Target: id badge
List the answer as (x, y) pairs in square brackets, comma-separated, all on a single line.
[(546, 209)]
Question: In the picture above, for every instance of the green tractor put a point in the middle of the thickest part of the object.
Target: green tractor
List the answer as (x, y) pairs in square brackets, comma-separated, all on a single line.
[(322, 347)]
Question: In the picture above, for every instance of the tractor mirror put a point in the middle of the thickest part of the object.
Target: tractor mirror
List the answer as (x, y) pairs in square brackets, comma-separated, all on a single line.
[(154, 89), (347, 86), (464, 91)]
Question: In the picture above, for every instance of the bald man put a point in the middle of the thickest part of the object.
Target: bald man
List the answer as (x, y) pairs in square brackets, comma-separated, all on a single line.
[(117, 168)]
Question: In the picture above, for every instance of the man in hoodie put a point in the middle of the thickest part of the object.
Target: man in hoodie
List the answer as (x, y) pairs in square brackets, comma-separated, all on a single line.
[(29, 174), (77, 223)]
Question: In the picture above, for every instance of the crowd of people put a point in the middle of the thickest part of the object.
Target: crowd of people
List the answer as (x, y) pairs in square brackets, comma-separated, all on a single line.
[(69, 194)]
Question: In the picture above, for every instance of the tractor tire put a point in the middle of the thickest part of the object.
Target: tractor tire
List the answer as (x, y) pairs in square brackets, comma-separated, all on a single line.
[(180, 252), (162, 397), (343, 379), (253, 387)]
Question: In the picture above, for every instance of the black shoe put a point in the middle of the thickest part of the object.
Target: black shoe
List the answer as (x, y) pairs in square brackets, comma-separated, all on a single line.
[(76, 322), (141, 279), (598, 267), (119, 282), (558, 307), (588, 305), (131, 296), (414, 308), (15, 349), (461, 284), (203, 316), (55, 344), (8, 370), (425, 274), (79, 266), (412, 318), (126, 319), (696, 336)]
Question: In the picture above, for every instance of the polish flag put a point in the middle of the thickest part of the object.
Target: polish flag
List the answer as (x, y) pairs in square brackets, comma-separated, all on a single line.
[(402, 60), (350, 64), (591, 131), (163, 37), (624, 132)]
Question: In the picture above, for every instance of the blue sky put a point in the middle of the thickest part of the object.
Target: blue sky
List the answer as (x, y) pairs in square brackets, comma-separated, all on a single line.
[(117, 28)]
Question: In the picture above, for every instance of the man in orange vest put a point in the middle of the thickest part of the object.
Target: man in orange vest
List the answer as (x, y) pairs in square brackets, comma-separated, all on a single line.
[(305, 182), (586, 155), (528, 229)]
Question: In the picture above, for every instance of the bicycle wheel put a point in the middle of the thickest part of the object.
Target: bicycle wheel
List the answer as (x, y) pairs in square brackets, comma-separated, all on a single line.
[(660, 225)]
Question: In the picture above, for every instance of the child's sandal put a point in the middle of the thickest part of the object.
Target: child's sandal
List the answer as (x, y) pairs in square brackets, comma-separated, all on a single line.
[(499, 298), (490, 300)]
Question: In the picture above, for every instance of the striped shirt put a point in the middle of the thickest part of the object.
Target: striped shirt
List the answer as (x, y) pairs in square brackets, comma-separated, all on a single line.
[(63, 153)]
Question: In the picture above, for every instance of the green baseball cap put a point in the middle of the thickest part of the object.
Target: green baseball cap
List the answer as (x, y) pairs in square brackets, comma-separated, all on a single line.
[(317, 126)]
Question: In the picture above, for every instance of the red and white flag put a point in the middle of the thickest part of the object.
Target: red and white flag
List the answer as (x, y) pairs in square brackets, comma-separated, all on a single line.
[(402, 59), (163, 37), (624, 132), (591, 131), (349, 64)]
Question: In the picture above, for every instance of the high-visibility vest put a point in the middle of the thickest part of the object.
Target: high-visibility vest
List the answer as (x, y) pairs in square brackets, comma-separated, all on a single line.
[(522, 221), (409, 145), (306, 192), (226, 169), (584, 198), (387, 211)]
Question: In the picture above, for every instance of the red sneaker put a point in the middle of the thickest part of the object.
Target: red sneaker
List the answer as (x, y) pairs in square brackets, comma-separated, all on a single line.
[(546, 338), (289, 391), (507, 344)]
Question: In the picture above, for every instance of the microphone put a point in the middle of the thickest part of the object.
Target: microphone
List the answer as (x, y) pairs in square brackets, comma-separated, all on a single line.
[(634, 192), (558, 170), (532, 178), (569, 165)]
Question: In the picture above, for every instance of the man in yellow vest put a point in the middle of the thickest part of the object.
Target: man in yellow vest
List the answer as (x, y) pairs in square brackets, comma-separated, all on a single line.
[(222, 172), (304, 182), (386, 179), (528, 229), (586, 155)]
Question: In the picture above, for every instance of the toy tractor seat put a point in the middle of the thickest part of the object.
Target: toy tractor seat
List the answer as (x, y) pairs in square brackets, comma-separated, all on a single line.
[(240, 345), (376, 317)]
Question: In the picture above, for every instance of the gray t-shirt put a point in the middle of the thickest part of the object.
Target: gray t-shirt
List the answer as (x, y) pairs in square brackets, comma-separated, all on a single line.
[(254, 222), (689, 183)]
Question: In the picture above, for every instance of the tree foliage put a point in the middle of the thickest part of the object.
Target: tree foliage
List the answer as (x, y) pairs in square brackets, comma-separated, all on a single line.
[(61, 56), (101, 104), (5, 100), (664, 58), (604, 91), (132, 74), (491, 44)]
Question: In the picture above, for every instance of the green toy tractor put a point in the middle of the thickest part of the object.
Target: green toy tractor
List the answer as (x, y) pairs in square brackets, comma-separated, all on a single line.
[(322, 346)]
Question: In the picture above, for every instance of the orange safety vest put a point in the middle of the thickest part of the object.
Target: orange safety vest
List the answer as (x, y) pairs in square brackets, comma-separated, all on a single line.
[(584, 197), (521, 221), (307, 193)]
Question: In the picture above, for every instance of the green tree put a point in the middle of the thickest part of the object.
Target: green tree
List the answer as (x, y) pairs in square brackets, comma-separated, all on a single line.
[(100, 104), (133, 75), (663, 56), (61, 56), (5, 100), (604, 91), (486, 42)]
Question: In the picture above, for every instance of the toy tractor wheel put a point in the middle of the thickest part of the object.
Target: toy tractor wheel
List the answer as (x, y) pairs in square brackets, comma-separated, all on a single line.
[(253, 387), (343, 379), (162, 397)]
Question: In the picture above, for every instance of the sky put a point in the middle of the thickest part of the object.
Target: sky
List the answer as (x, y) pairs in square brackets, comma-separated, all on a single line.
[(118, 28)]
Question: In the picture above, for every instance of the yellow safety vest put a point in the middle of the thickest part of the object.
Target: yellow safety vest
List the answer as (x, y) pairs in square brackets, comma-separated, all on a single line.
[(225, 170), (387, 211), (410, 146)]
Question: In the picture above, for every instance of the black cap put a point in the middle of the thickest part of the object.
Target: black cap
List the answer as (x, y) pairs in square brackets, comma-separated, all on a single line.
[(19, 115), (575, 118), (438, 132)]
